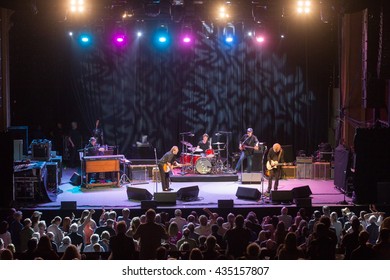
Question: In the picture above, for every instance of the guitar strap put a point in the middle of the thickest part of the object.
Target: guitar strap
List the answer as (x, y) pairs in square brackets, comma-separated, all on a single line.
[(280, 155)]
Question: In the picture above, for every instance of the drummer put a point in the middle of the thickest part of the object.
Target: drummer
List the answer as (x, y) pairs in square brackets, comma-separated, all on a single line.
[(204, 145)]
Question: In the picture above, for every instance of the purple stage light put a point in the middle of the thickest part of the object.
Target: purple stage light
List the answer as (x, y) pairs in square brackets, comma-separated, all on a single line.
[(120, 40)]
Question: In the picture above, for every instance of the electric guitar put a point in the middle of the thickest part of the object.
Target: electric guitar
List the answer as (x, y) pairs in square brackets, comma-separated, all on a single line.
[(244, 147), (169, 166), (271, 164)]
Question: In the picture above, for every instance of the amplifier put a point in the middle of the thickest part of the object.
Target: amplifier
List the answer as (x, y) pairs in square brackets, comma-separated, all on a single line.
[(58, 160), (52, 177), (304, 160), (41, 149), (26, 187)]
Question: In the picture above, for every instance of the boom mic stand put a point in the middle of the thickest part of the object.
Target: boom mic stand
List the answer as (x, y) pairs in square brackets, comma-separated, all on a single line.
[(155, 157)]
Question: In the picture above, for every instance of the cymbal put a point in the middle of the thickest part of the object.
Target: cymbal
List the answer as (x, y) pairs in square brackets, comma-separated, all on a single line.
[(218, 143), (186, 143), (198, 150)]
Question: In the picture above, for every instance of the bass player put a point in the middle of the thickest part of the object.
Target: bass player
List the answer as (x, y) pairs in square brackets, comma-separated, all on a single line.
[(248, 143)]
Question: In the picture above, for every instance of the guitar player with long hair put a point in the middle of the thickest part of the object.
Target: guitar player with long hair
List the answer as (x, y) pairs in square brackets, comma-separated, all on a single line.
[(275, 160), (165, 165), (248, 143)]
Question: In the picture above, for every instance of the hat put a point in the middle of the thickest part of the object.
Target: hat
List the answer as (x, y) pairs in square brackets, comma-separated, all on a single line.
[(37, 213), (18, 214), (345, 211), (249, 129)]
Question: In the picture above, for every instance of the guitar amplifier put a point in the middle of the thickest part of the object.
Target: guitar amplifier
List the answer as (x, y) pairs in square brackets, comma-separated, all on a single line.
[(26, 187), (41, 149), (58, 160), (289, 172)]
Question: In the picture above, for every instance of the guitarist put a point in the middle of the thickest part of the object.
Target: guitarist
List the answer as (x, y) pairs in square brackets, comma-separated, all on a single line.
[(248, 143), (275, 156), (165, 165)]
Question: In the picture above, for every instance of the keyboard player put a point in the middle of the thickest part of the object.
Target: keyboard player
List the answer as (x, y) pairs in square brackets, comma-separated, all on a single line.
[(93, 149)]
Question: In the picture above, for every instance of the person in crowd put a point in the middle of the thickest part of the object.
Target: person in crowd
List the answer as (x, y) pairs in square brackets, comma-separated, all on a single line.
[(4, 233), (125, 217), (237, 238), (15, 228), (364, 251), (71, 253), (178, 219), (121, 246), (66, 241), (150, 235), (289, 249), (54, 227), (44, 249)]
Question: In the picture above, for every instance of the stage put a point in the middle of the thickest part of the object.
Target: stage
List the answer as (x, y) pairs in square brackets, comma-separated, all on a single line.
[(210, 192)]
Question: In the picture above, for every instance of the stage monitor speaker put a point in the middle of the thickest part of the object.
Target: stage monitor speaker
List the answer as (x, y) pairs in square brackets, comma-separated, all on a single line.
[(165, 198), (75, 180), (248, 178), (248, 193), (188, 193), (301, 192), (148, 204), (281, 196), (68, 205), (138, 194), (225, 203)]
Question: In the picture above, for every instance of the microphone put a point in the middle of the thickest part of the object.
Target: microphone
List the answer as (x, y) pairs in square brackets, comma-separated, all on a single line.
[(218, 134)]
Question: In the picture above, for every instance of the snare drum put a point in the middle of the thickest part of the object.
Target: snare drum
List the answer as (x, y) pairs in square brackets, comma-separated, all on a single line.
[(210, 153), (203, 166)]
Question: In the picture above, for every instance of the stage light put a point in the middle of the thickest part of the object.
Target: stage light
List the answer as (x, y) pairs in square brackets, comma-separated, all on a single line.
[(120, 40), (85, 39), (186, 34), (229, 33), (161, 36), (77, 6), (223, 13), (70, 33), (139, 34), (304, 7)]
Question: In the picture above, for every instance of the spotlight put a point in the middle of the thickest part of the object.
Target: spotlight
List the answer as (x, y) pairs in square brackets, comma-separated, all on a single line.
[(229, 33), (162, 36), (77, 6), (304, 7), (120, 40), (85, 39), (186, 36)]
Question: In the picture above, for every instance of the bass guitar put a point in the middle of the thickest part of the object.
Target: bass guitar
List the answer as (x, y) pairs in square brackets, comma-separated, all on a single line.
[(272, 164), (168, 166), (244, 147)]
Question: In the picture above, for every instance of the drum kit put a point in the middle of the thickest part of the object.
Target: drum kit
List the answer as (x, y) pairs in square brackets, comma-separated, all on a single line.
[(202, 162)]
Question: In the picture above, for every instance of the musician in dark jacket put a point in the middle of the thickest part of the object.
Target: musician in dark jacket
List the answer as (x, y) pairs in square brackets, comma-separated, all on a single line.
[(93, 149), (248, 143), (275, 157), (165, 166)]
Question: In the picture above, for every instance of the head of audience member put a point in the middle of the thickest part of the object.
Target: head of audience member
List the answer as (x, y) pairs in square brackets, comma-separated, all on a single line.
[(32, 244), (173, 229), (361, 215), (185, 246), (51, 235), (191, 218), (263, 235), (6, 254), (4, 227), (251, 216), (121, 227), (214, 228), (186, 233), (280, 227), (202, 239), (74, 227), (239, 221), (161, 253), (384, 235), (230, 218), (364, 236), (110, 223), (316, 215), (11, 247), (203, 220), (105, 236), (150, 215), (326, 210), (333, 217), (41, 226), (178, 213), (211, 242), (220, 221), (125, 213), (284, 211), (297, 220), (94, 238), (191, 227), (57, 220), (195, 214), (252, 251), (290, 241), (326, 221), (71, 253), (196, 254), (372, 219), (355, 224), (112, 215)]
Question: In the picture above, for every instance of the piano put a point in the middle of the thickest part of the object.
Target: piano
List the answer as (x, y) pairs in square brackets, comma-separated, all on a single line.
[(104, 163)]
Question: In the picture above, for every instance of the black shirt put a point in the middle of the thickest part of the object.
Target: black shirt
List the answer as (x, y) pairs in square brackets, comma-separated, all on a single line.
[(249, 141), (204, 146), (167, 157)]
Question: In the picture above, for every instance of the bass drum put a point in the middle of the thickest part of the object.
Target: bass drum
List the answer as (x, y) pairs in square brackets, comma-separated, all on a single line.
[(203, 166)]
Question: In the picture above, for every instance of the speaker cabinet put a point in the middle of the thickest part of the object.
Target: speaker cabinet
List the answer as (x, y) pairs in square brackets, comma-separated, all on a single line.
[(75, 180), (303, 202), (247, 178), (301, 192), (68, 205), (248, 193), (188, 193), (281, 196), (225, 203), (138, 194), (165, 198), (148, 204)]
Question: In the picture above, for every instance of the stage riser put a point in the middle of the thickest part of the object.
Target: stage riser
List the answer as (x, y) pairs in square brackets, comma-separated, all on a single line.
[(203, 178)]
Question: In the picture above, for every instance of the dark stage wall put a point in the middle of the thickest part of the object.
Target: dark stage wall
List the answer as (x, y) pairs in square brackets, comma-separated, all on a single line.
[(280, 89)]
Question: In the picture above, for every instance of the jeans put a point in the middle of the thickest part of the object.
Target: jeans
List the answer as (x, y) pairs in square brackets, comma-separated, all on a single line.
[(249, 162)]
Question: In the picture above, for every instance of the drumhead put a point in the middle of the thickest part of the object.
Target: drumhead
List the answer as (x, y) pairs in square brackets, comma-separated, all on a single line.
[(203, 166)]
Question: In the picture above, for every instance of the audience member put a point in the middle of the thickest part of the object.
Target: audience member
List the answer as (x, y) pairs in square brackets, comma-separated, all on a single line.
[(237, 238), (364, 251), (121, 245), (289, 249), (71, 253)]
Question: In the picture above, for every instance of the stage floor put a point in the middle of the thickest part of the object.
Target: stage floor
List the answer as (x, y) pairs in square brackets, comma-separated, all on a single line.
[(323, 193)]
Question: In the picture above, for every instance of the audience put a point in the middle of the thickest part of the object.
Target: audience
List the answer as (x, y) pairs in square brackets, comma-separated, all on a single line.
[(155, 236)]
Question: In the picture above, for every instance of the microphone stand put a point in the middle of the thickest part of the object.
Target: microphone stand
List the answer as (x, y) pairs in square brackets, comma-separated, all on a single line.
[(155, 157)]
